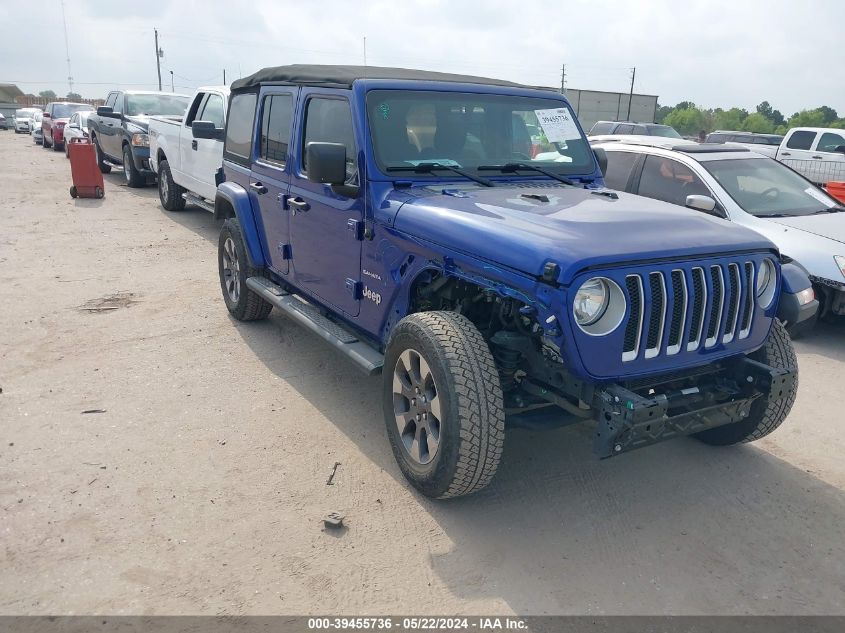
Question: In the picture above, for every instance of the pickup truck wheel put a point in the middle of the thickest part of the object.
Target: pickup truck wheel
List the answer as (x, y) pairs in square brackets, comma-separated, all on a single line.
[(243, 303), (104, 168), (44, 142), (443, 404), (767, 413), (169, 192), (133, 177)]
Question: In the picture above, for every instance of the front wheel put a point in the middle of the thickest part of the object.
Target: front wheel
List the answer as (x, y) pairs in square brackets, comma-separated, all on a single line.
[(769, 412), (234, 269), (98, 153), (134, 178), (169, 192), (443, 405)]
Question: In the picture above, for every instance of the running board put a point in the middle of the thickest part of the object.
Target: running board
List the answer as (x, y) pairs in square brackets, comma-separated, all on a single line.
[(197, 201), (359, 352)]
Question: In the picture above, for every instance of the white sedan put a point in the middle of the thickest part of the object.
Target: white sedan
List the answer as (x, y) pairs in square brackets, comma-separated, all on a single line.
[(77, 127), (745, 187)]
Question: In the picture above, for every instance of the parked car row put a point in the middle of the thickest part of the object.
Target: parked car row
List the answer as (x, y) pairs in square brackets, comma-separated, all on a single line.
[(413, 221)]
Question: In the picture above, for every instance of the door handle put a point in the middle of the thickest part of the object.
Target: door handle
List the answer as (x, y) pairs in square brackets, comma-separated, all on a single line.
[(258, 188), (818, 157), (298, 204), (785, 154), (194, 144)]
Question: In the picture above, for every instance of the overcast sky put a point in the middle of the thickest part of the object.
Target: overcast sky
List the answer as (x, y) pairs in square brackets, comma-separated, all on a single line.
[(712, 52)]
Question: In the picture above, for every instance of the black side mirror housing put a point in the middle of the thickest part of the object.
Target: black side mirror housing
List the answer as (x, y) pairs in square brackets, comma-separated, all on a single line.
[(326, 163), (601, 159), (206, 129), (108, 112), (840, 149)]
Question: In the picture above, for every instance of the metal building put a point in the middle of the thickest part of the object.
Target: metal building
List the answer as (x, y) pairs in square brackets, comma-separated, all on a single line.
[(594, 105)]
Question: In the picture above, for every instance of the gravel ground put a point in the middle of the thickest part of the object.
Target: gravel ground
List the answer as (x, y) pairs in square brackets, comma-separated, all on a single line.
[(158, 457)]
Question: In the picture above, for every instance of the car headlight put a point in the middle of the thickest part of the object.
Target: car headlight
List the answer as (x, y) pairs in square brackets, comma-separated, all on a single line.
[(140, 140), (840, 261), (591, 301), (766, 282)]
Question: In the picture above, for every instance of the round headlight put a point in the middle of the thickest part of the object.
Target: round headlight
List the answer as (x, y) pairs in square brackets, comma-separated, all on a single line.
[(765, 276), (591, 301)]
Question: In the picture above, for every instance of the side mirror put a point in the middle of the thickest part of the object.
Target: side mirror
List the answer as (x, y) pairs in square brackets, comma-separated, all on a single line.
[(703, 203), (74, 126), (601, 159), (108, 112), (45, 115), (839, 149), (326, 163), (206, 129)]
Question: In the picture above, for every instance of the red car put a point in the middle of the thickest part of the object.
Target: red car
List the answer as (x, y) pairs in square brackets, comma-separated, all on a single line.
[(56, 115)]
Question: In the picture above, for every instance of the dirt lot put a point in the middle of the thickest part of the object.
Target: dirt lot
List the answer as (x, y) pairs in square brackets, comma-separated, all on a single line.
[(198, 483)]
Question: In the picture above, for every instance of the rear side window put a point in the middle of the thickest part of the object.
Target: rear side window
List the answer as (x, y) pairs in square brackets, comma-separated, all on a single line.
[(801, 140), (239, 131), (829, 142), (213, 110), (668, 180), (601, 127), (330, 121), (716, 138), (619, 166), (275, 128), (624, 129)]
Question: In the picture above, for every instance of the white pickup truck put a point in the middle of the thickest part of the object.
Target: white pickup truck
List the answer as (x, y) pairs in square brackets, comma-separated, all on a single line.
[(816, 153), (187, 165)]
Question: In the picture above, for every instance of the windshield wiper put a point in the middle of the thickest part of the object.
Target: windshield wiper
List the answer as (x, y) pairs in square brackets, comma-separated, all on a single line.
[(510, 168), (427, 168), (836, 209)]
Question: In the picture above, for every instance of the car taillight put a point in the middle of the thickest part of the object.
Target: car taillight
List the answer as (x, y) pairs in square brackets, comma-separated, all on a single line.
[(59, 124)]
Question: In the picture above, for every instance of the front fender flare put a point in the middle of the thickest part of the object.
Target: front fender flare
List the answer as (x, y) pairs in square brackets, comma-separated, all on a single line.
[(238, 199)]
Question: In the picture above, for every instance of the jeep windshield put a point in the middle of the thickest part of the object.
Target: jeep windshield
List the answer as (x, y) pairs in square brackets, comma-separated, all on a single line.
[(152, 104), (469, 131), (765, 188)]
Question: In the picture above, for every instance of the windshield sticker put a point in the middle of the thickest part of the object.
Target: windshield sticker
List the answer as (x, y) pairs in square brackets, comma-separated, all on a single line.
[(558, 125), (384, 109), (818, 195)]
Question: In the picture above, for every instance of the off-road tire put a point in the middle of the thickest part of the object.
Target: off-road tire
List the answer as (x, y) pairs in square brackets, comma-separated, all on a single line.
[(249, 305), (767, 413), (169, 193), (472, 431), (44, 141), (104, 168), (133, 177)]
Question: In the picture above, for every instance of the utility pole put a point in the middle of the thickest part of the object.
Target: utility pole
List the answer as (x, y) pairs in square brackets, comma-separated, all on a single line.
[(158, 61), (631, 94), (67, 50), (365, 50), (224, 76), (172, 89), (563, 79)]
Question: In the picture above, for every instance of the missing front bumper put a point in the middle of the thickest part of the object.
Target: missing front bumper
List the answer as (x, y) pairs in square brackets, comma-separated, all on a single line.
[(629, 419)]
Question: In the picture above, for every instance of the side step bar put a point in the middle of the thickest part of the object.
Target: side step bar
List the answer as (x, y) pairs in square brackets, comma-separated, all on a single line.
[(197, 201), (368, 359)]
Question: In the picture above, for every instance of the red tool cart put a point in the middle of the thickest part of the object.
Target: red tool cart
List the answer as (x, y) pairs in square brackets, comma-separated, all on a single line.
[(87, 179)]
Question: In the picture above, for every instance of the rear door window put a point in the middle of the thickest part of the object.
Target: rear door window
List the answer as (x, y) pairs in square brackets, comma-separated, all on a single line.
[(624, 129), (239, 131), (803, 139), (619, 166), (829, 142), (275, 128)]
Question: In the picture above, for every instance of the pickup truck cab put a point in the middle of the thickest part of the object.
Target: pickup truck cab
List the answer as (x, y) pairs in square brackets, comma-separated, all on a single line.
[(397, 215), (186, 164), (816, 153), (118, 130)]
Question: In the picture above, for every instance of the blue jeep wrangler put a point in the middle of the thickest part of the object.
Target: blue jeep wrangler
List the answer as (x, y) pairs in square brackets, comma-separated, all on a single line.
[(404, 217)]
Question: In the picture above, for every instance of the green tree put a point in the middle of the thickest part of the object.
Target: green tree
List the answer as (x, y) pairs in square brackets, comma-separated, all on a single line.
[(687, 121), (661, 113), (47, 94), (73, 96), (806, 118), (765, 109), (777, 118), (829, 115), (729, 119), (758, 122)]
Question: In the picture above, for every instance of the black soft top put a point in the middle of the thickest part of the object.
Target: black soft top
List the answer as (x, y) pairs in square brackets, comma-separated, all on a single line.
[(344, 76)]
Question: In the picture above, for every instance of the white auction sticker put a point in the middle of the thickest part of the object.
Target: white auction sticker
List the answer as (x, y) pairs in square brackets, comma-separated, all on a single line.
[(558, 124), (818, 195)]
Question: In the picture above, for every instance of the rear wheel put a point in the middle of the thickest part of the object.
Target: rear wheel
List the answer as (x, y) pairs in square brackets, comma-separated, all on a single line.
[(234, 269), (73, 192), (767, 413), (104, 168), (443, 406), (133, 176), (44, 141), (169, 192)]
